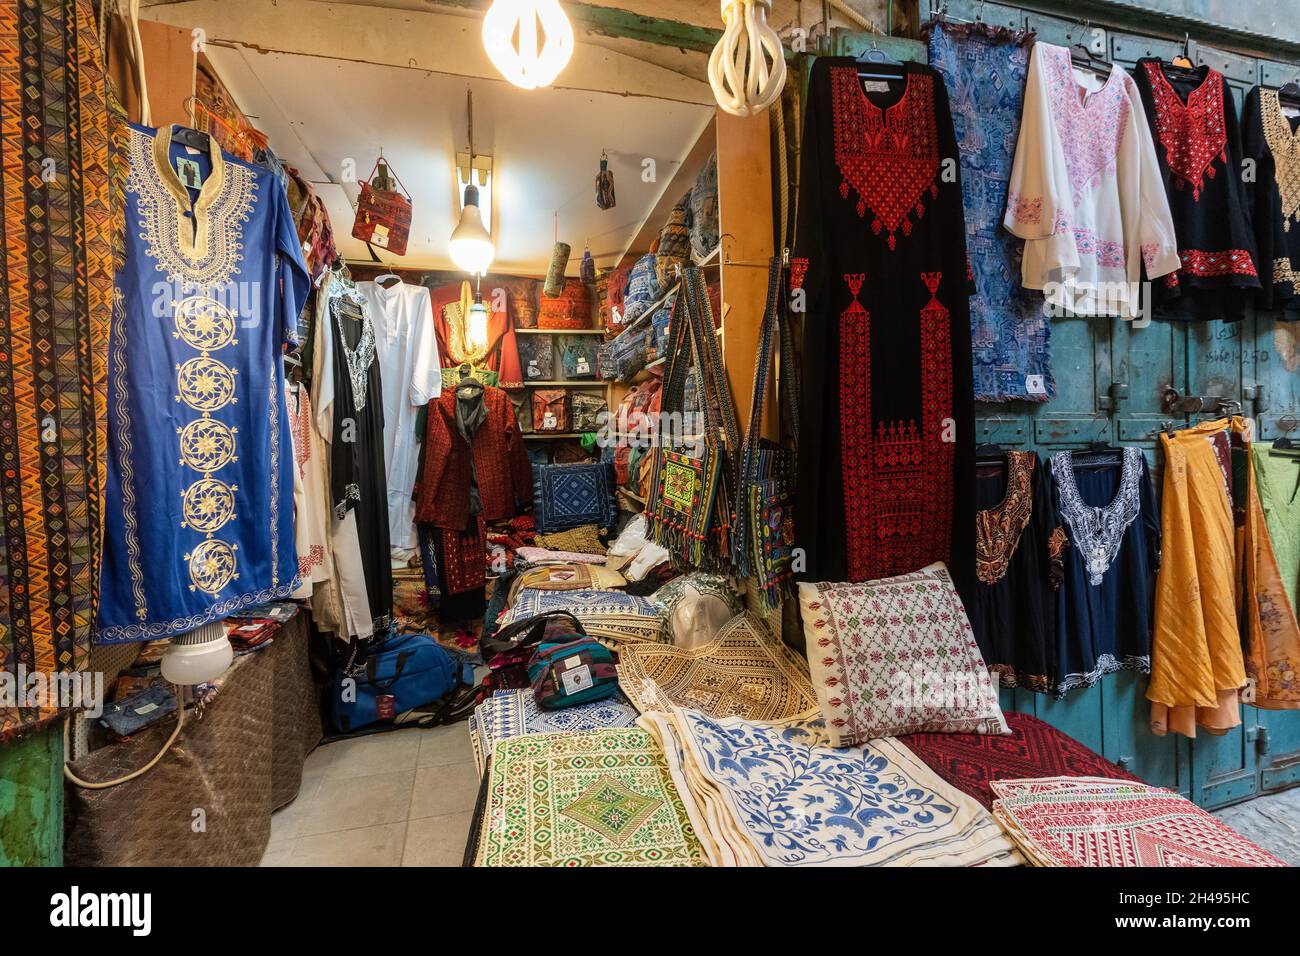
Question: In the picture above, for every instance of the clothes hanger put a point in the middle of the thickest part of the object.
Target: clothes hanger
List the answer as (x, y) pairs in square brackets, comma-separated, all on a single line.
[(1098, 454), (1085, 59), (1289, 92), (1183, 61), (989, 453), (1284, 447), (192, 138), (874, 58), (378, 280)]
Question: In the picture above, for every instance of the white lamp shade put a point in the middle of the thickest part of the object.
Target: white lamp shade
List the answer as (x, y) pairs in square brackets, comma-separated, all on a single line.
[(476, 326), (198, 657), (526, 62), (471, 246)]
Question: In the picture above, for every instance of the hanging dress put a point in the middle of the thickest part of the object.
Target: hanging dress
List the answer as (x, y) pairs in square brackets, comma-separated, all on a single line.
[(1269, 570), (984, 69), (1086, 194), (1018, 562), (199, 516), (1104, 605), (1272, 139), (1198, 145), (886, 459)]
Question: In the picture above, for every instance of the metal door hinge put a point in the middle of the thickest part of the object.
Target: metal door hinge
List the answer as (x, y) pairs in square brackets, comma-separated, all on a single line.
[(1258, 735)]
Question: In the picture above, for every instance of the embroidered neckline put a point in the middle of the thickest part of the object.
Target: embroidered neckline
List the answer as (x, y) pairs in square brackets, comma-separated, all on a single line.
[(1284, 144), (458, 346), (1098, 532), (206, 250), (361, 356), (998, 529), (1193, 133), (1091, 125), (888, 155)]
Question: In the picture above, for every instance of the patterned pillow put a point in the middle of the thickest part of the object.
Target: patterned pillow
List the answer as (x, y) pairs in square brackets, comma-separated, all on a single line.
[(896, 656), (566, 496)]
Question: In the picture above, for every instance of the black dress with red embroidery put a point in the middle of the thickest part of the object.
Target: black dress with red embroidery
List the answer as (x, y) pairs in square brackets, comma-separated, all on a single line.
[(1198, 144), (886, 457)]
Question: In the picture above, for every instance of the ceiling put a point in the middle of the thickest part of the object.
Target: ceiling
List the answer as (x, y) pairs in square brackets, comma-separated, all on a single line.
[(331, 84)]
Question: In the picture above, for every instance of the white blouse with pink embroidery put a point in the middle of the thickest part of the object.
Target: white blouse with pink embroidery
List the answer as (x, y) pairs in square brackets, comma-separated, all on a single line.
[(1086, 194)]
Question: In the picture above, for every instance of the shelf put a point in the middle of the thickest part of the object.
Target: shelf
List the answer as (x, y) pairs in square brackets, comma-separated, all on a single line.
[(560, 331), (565, 383), (551, 436)]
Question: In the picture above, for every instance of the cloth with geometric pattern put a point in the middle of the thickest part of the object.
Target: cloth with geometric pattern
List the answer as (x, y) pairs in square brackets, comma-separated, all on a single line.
[(744, 672), (896, 656), (199, 522), (777, 795), (1088, 821), (971, 762), (514, 713), (600, 798), (608, 615), (59, 209), (567, 496)]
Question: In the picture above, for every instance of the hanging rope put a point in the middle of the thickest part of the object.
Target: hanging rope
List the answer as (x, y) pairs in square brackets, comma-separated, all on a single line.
[(747, 67)]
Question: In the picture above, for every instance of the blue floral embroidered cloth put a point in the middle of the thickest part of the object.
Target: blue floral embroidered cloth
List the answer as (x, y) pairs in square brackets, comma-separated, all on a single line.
[(775, 795), (984, 70), (567, 496), (199, 516)]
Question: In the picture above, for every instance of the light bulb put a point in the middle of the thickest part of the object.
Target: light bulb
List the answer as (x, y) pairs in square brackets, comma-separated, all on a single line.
[(528, 63), (198, 657), (743, 81), (476, 327), (471, 245)]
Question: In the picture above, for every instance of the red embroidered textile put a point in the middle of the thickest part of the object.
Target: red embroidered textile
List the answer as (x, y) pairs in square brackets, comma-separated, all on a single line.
[(464, 557), (1033, 749), (499, 461)]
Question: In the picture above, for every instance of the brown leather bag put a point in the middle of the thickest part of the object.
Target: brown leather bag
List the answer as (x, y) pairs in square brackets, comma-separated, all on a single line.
[(383, 214)]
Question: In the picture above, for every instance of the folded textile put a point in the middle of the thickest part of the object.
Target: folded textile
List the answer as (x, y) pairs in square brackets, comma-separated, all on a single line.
[(566, 496), (971, 762), (743, 673), (776, 795), (600, 798), (584, 538), (567, 577), (1091, 821), (514, 713), (609, 615), (548, 556)]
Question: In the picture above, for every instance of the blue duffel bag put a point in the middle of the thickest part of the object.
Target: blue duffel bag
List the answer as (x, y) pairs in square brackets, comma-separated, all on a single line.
[(402, 673)]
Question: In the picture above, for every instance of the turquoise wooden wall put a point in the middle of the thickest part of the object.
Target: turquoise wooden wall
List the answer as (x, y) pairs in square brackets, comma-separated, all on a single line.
[(31, 799)]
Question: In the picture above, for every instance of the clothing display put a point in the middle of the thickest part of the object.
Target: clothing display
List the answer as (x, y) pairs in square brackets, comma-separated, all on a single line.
[(407, 352), (1198, 146), (602, 797), (1086, 193), (200, 514), (1277, 476), (884, 481), (1269, 140), (984, 69), (743, 672), (1019, 563), (896, 656), (1082, 821), (1106, 507), (870, 805), (500, 350)]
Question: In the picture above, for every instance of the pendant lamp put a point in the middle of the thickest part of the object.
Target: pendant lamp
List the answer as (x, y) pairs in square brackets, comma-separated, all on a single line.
[(471, 247), (747, 67), (536, 58)]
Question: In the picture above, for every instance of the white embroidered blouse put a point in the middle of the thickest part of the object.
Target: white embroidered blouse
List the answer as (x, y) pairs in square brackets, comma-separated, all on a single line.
[(1085, 193)]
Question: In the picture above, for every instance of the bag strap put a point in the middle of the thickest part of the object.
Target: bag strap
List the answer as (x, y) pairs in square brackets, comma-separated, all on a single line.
[(392, 172), (772, 329), (531, 629)]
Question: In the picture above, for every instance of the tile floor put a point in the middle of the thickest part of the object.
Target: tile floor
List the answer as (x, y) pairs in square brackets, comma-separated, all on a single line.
[(398, 799)]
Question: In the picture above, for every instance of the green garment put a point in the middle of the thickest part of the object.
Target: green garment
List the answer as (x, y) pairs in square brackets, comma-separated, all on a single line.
[(1278, 477)]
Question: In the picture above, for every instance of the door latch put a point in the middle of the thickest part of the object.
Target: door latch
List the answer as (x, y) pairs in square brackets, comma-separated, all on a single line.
[(1258, 735)]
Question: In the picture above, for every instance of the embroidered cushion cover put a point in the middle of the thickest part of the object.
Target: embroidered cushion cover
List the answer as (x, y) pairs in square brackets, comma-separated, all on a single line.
[(601, 798), (896, 656), (764, 795), (567, 496), (1089, 821), (744, 673)]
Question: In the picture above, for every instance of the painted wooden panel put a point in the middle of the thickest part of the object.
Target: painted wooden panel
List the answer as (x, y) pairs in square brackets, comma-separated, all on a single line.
[(31, 799)]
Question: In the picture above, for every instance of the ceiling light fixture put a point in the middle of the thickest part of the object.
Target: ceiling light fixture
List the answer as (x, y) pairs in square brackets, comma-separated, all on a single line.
[(747, 67), (528, 61), (471, 247)]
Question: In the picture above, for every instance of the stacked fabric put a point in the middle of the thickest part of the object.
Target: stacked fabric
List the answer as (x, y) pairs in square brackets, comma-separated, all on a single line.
[(601, 798), (1095, 821), (614, 616), (777, 795), (514, 713)]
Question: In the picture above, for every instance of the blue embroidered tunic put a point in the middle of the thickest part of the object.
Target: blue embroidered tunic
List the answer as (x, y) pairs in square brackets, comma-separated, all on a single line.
[(199, 516)]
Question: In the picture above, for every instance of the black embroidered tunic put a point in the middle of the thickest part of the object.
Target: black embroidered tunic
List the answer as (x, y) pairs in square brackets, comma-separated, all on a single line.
[(886, 481), (1198, 145), (1018, 562), (1270, 139)]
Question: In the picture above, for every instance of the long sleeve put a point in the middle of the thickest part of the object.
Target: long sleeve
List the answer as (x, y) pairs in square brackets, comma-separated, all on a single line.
[(426, 370), (1157, 241), (1032, 197), (437, 459), (322, 371), (1259, 195), (521, 469)]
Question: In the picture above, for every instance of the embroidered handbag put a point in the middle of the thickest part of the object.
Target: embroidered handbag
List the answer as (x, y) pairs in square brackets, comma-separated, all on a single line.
[(587, 411), (693, 481), (536, 357), (642, 289), (578, 356), (383, 214), (572, 669), (674, 245), (508, 651), (704, 211), (624, 355), (763, 537), (571, 309), (611, 301), (550, 410), (522, 294)]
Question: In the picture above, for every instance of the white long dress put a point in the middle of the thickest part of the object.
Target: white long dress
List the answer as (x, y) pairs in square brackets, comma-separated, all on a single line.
[(407, 351), (1085, 193)]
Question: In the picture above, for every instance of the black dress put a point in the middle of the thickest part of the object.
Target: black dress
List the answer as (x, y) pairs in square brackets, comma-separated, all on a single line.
[(357, 449), (1270, 140), (1018, 553), (1198, 145), (886, 460)]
